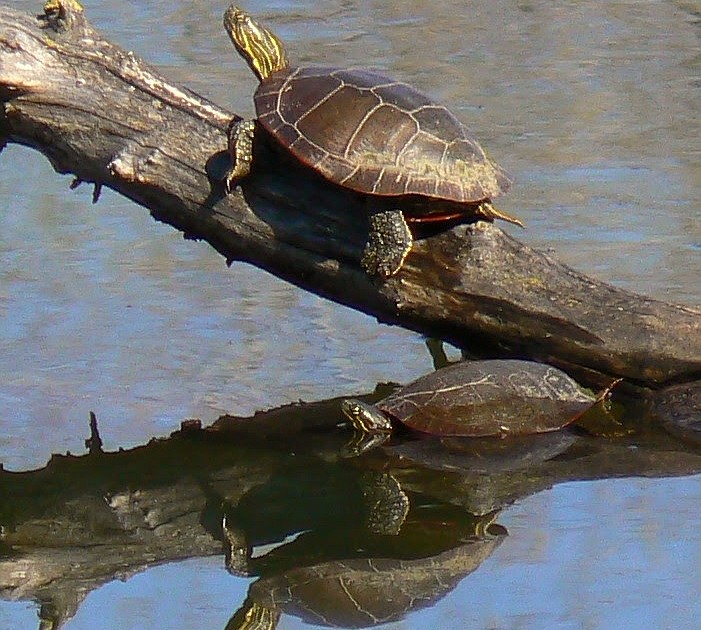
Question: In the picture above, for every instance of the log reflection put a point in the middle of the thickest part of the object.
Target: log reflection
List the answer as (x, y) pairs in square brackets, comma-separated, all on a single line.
[(273, 497)]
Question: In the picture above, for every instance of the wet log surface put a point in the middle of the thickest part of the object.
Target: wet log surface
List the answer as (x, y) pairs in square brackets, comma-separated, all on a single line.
[(102, 114)]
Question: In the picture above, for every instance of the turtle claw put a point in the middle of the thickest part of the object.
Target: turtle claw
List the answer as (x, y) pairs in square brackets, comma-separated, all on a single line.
[(389, 243)]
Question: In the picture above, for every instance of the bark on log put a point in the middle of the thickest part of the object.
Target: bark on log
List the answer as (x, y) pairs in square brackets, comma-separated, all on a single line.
[(99, 112)]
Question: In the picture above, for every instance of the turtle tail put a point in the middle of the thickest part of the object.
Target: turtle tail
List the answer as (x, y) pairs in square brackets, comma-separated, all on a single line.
[(488, 211)]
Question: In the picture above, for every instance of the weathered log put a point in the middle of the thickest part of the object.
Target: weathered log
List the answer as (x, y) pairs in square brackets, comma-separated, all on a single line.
[(99, 112)]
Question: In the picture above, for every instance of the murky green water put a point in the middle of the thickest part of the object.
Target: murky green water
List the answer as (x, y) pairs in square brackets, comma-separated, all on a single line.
[(594, 107)]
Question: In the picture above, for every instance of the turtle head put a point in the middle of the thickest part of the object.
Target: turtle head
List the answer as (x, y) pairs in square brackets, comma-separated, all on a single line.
[(262, 50), (366, 418)]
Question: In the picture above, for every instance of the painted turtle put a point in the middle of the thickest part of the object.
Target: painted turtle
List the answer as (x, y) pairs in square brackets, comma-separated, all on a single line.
[(475, 399), (412, 158)]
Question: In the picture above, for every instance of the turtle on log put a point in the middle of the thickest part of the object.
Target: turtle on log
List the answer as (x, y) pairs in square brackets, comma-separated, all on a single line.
[(410, 156), (474, 399)]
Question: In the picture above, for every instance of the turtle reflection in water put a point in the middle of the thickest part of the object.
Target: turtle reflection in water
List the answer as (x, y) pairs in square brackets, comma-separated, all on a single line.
[(473, 399), (410, 156), (383, 585)]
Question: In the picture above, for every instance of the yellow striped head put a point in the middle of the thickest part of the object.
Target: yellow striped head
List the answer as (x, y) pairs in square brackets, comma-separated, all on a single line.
[(262, 50)]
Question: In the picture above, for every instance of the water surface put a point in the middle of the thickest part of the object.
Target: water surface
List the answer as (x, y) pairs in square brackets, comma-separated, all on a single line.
[(594, 107)]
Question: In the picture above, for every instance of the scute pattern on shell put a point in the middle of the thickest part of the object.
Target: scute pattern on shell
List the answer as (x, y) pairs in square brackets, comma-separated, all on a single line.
[(376, 135), (483, 398)]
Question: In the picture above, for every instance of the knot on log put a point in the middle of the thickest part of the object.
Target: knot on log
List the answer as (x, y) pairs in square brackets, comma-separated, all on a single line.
[(133, 162)]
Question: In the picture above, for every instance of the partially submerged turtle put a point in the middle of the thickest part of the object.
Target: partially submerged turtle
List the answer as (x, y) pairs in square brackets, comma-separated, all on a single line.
[(475, 399), (412, 158)]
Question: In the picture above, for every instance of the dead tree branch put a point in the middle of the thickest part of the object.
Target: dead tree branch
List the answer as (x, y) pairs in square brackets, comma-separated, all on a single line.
[(99, 112)]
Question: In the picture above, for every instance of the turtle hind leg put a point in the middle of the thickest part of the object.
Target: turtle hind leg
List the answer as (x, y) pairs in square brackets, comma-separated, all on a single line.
[(241, 134), (389, 242)]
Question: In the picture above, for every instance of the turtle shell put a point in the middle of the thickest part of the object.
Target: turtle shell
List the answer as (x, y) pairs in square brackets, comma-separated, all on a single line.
[(365, 592), (376, 135), (489, 398)]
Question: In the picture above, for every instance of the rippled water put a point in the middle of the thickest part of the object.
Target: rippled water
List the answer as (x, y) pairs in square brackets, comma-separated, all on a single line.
[(594, 107)]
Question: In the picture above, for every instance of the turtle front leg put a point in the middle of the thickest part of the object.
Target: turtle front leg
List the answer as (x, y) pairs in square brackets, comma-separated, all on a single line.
[(389, 242), (241, 134)]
